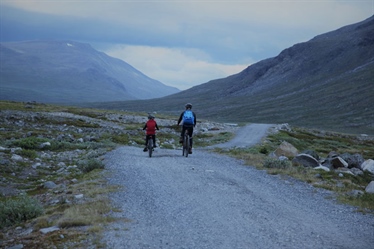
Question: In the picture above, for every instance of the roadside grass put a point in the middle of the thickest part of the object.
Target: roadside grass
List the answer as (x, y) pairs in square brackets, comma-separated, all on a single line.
[(322, 143), (19, 209), (206, 139), (92, 211), (89, 213)]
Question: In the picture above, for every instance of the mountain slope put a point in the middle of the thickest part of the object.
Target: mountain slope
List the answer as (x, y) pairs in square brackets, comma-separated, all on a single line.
[(66, 71), (327, 82)]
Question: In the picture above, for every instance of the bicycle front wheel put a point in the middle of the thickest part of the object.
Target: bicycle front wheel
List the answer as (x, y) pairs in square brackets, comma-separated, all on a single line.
[(150, 146)]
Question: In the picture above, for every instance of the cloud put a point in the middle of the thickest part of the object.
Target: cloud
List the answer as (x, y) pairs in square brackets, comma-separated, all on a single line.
[(182, 42), (179, 67)]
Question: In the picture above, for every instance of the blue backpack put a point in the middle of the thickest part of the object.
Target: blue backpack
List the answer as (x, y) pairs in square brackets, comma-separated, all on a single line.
[(188, 117)]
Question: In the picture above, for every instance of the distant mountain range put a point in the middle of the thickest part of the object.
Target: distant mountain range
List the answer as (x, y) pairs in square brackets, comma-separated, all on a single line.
[(327, 82), (70, 72)]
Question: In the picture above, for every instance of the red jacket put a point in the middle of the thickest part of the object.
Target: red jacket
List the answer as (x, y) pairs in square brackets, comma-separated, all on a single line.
[(151, 127)]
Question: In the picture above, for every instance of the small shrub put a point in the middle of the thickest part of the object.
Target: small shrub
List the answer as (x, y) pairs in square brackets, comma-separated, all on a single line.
[(62, 146), (13, 211), (272, 163), (28, 153), (264, 150), (30, 143), (121, 139), (90, 164)]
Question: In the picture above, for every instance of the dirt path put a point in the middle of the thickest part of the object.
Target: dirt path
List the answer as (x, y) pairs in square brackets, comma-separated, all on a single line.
[(247, 136), (213, 201)]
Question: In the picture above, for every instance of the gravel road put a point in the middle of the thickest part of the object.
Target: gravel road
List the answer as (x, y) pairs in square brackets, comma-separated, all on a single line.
[(246, 136), (213, 201)]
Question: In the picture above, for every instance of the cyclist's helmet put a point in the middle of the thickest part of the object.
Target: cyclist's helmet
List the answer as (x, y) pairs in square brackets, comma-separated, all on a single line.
[(188, 105), (150, 116)]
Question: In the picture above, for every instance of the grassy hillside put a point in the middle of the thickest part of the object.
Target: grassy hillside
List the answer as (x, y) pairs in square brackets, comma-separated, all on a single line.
[(324, 83)]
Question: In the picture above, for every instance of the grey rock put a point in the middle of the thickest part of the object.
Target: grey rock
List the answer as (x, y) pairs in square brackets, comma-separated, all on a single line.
[(306, 160), (49, 185), (370, 188), (17, 158), (356, 171), (355, 193), (43, 145), (286, 149), (49, 229), (323, 168), (354, 161), (80, 196), (61, 164), (36, 165), (344, 171), (312, 153), (338, 162), (368, 165)]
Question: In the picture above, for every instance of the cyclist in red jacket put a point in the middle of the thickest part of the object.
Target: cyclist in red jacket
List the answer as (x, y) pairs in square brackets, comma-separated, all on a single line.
[(150, 127)]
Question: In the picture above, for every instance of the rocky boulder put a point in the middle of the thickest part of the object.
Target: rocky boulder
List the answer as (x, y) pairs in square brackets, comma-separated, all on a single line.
[(305, 160), (338, 162), (368, 165), (286, 149), (354, 161), (370, 188), (312, 153)]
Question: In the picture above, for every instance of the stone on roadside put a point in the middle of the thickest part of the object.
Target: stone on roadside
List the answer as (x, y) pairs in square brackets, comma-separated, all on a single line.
[(306, 160), (338, 162), (43, 145), (17, 158), (2, 148), (356, 171), (36, 165), (370, 188), (49, 185), (323, 168), (368, 165), (286, 149), (355, 193), (49, 229)]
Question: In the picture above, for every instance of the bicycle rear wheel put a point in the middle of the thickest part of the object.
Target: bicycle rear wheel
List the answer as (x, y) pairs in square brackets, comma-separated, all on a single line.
[(150, 146), (186, 145)]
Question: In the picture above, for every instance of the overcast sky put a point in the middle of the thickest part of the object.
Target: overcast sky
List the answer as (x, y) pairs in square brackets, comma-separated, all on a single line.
[(181, 43)]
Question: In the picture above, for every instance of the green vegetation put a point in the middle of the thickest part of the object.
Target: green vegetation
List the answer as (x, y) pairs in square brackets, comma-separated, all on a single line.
[(90, 164), (20, 209), (30, 143), (322, 143), (204, 139), (272, 163)]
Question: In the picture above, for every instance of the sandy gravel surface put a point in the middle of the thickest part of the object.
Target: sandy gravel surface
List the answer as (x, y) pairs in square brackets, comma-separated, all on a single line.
[(246, 136), (213, 201)]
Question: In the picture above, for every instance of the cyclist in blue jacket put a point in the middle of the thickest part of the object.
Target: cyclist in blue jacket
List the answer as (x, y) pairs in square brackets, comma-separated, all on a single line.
[(188, 119)]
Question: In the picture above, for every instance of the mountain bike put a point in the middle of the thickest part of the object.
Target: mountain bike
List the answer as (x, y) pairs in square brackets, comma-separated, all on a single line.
[(186, 144), (150, 145)]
